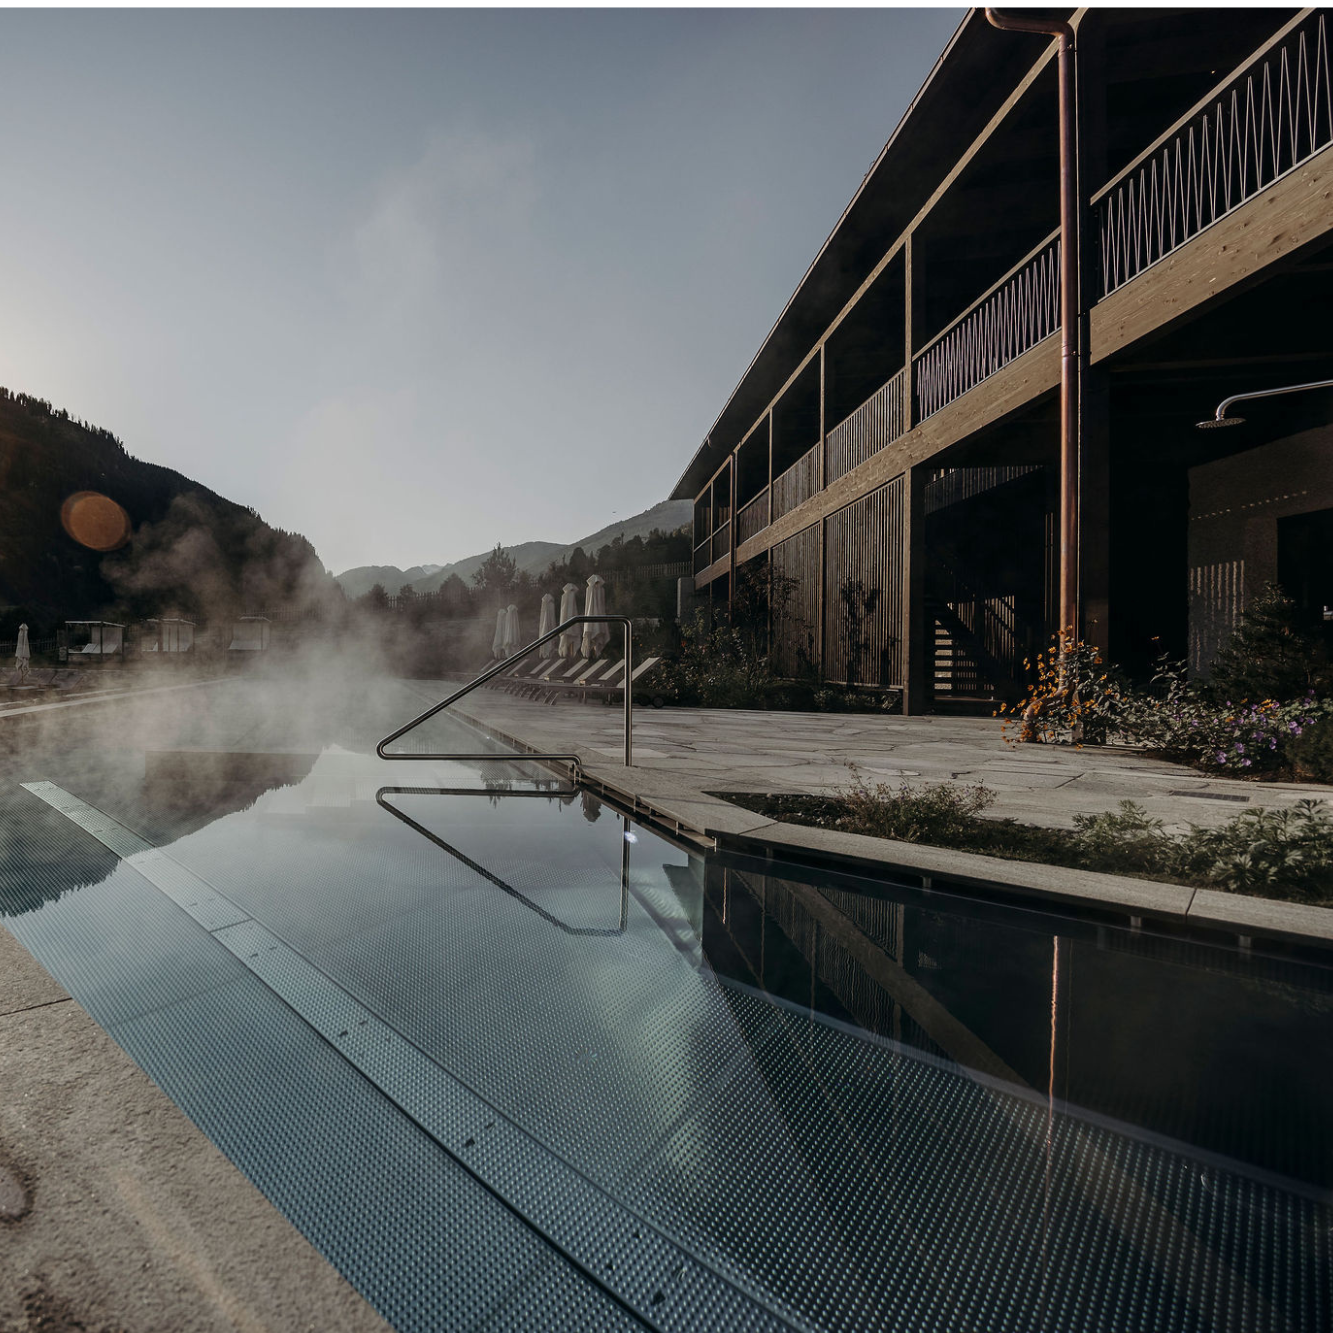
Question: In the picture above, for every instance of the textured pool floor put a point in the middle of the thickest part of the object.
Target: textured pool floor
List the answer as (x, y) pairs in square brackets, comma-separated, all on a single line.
[(472, 1099)]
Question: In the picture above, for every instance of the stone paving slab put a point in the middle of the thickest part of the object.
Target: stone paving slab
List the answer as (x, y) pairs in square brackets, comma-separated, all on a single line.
[(734, 750)]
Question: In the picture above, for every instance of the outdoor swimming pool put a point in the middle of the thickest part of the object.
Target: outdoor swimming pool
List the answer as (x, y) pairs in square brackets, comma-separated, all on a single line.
[(512, 1060)]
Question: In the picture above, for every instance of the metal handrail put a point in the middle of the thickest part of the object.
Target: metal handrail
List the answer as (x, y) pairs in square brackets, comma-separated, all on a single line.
[(495, 879), (507, 665)]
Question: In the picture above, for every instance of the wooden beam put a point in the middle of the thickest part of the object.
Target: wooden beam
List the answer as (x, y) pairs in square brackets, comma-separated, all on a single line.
[(1288, 216), (952, 1036), (1013, 389)]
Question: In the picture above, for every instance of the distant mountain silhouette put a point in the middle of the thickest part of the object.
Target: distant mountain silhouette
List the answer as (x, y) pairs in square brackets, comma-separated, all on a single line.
[(533, 557), (189, 551), (359, 581)]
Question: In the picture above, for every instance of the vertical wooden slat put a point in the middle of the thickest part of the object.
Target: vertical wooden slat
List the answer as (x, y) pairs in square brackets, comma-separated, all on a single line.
[(795, 633), (863, 543)]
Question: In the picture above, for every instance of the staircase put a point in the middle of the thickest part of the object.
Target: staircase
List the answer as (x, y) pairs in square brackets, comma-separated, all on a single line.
[(958, 682)]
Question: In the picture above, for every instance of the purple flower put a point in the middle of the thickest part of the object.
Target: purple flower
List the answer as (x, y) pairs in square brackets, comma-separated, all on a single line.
[(1245, 763)]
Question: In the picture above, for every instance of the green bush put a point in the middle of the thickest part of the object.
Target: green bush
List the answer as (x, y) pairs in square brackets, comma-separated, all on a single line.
[(937, 814), (1277, 853), (1312, 751), (1284, 853), (1123, 841), (1270, 655)]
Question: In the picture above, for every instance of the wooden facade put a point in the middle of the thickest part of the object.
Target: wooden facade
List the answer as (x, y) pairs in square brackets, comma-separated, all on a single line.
[(896, 437)]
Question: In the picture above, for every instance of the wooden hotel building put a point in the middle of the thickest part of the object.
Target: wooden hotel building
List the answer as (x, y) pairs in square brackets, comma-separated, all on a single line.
[(898, 450)]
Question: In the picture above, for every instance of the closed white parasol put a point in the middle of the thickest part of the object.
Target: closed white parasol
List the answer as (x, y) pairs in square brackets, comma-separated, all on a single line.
[(569, 608), (595, 636), (548, 623), (498, 643), (513, 640), (22, 652)]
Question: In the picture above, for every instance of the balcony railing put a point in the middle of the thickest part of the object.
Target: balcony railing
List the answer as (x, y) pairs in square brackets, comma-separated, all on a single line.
[(954, 485), (752, 518), (1273, 114), (703, 555), (797, 484), (1016, 314), (877, 422), (722, 541)]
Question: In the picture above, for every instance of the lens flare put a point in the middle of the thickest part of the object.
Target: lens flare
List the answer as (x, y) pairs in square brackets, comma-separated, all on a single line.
[(95, 521)]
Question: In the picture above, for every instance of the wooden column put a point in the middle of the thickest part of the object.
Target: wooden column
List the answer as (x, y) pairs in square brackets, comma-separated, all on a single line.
[(916, 655), (731, 535), (823, 442), (915, 624), (1094, 425), (909, 339)]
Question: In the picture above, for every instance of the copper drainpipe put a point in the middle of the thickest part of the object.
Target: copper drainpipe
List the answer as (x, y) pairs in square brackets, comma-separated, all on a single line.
[(1069, 354)]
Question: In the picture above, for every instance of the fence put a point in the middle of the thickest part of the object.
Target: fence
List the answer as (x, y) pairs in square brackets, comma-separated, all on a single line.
[(752, 518), (876, 423), (1270, 117), (648, 573), (797, 484), (1019, 312), (963, 483)]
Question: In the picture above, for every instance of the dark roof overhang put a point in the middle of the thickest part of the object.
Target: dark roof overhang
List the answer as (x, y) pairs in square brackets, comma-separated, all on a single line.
[(977, 70)]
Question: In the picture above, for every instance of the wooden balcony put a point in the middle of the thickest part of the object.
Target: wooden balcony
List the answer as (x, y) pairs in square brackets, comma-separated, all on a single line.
[(797, 484)]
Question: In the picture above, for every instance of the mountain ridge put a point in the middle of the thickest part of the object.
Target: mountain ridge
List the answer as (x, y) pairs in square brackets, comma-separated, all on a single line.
[(531, 556), (174, 546)]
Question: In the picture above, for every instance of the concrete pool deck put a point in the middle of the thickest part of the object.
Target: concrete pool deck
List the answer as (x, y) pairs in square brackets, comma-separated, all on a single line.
[(682, 756), (116, 1213)]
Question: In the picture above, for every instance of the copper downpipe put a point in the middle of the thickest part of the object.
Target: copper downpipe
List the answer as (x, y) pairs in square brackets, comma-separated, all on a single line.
[(1069, 315)]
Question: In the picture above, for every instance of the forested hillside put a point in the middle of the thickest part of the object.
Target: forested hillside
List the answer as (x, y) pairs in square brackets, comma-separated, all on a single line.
[(166, 546)]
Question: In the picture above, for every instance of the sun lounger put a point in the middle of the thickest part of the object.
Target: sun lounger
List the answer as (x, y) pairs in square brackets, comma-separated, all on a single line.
[(547, 668), (522, 676), (611, 686)]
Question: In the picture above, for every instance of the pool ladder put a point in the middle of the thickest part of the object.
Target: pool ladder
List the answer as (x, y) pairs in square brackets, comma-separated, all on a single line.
[(507, 665)]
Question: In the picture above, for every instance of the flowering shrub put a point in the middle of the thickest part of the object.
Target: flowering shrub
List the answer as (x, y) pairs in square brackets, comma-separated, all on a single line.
[(1258, 737), (1178, 720), (1071, 699)]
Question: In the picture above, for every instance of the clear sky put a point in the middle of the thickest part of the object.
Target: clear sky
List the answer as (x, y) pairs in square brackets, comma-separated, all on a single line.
[(415, 282)]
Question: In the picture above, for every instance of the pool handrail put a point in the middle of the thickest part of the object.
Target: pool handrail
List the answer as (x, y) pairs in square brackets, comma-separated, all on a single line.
[(481, 870), (507, 665)]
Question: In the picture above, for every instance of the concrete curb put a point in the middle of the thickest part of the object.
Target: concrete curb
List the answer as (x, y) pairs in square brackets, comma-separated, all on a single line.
[(680, 807)]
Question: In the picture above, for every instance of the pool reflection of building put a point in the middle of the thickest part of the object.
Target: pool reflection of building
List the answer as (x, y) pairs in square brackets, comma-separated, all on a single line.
[(899, 428), (1082, 1017)]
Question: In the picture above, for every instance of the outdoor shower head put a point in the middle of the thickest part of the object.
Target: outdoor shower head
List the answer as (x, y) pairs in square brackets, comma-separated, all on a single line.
[(1221, 418)]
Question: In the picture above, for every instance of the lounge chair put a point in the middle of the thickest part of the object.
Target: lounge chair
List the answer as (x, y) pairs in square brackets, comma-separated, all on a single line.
[(609, 686), (611, 692), (517, 680), (546, 670)]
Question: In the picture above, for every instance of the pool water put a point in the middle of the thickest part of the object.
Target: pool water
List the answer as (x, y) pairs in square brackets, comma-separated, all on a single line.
[(512, 1060)]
